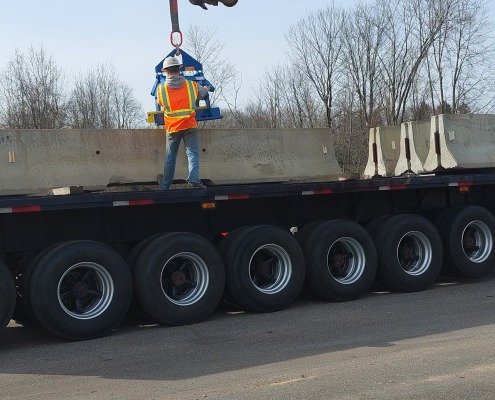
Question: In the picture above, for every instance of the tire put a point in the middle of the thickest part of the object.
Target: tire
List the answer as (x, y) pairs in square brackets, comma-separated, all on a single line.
[(409, 253), (131, 261), (341, 260), (23, 313), (7, 294), (375, 224), (138, 249), (467, 234), (80, 290), (179, 279), (223, 247), (225, 242), (264, 269), (306, 231)]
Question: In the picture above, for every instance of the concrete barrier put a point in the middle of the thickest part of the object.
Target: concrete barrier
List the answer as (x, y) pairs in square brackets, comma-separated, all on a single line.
[(34, 160), (383, 151), (267, 155), (461, 141), (414, 147)]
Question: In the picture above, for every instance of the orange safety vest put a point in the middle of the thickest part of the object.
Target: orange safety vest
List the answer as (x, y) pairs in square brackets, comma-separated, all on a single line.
[(178, 106)]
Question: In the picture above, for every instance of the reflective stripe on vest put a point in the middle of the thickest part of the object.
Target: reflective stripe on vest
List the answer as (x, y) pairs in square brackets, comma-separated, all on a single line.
[(178, 106), (164, 99)]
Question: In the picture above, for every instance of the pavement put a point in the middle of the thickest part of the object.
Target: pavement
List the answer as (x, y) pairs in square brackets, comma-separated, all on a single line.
[(436, 344)]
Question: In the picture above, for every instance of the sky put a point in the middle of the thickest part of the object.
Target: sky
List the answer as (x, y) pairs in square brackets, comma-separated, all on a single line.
[(135, 35)]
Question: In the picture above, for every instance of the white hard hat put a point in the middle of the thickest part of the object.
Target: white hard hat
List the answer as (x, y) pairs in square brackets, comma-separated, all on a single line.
[(170, 62)]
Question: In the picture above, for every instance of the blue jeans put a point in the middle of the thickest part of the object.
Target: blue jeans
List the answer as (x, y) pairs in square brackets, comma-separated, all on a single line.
[(190, 137)]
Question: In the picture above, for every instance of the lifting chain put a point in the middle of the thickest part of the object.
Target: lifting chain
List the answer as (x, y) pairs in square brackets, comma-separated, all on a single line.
[(176, 34)]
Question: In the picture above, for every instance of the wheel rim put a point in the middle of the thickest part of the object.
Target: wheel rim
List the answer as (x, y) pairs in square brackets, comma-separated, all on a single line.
[(477, 241), (414, 253), (346, 260), (270, 269), (185, 278), (85, 290)]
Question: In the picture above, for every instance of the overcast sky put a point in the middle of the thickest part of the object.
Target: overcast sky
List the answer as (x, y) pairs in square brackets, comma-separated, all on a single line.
[(134, 35)]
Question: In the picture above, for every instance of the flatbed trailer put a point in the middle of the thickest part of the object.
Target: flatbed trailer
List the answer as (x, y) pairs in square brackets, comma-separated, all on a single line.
[(75, 264)]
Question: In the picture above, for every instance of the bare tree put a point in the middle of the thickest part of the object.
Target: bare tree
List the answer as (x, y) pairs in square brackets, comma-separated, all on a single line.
[(461, 63), (100, 100), (204, 45), (316, 48), (286, 101), (422, 22), (128, 111), (32, 92), (364, 37)]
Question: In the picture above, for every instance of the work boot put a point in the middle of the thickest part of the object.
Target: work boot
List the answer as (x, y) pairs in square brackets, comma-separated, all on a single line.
[(195, 185)]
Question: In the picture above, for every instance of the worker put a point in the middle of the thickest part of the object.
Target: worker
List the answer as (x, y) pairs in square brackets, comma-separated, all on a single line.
[(177, 96), (201, 3)]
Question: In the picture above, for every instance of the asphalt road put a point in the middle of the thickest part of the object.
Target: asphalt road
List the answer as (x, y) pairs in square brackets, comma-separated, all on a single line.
[(437, 344)]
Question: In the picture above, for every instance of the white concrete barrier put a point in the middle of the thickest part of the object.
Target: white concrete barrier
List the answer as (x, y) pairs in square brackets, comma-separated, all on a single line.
[(383, 151), (34, 160), (267, 155), (461, 141), (414, 147)]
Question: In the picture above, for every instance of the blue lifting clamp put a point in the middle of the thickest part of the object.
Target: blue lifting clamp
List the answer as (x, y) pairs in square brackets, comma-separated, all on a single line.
[(193, 70)]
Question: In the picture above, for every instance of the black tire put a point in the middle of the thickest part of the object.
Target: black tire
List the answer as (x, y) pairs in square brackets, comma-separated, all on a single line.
[(138, 249), (80, 290), (409, 253), (179, 279), (375, 224), (131, 261), (7, 295), (264, 269), (468, 241), (306, 231), (225, 242), (223, 247), (438, 220), (340, 259), (23, 313)]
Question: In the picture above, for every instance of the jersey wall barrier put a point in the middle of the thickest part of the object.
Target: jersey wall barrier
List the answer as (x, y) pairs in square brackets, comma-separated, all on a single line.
[(461, 141), (414, 147), (383, 151), (36, 160)]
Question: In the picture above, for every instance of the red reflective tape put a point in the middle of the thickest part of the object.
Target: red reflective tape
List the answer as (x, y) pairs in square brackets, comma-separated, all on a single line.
[(465, 184), (398, 187), (238, 196), (140, 202), (323, 191), (232, 197), (26, 209), (316, 192)]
